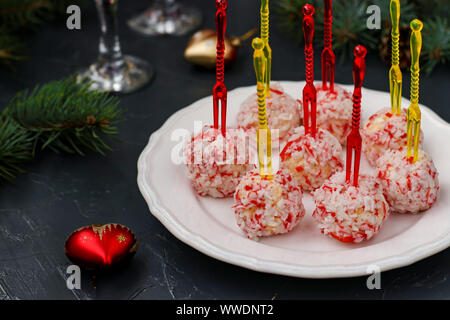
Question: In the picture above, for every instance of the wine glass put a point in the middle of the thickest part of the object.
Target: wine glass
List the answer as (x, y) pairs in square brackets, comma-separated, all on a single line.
[(166, 17), (113, 71)]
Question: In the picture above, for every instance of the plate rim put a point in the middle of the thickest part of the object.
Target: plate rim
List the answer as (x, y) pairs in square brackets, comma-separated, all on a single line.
[(261, 265)]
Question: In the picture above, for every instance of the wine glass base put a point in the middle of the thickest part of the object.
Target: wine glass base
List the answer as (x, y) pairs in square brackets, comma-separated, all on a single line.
[(106, 77), (159, 19)]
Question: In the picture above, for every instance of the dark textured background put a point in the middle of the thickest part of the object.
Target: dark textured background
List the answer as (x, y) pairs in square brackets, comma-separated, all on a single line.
[(61, 193)]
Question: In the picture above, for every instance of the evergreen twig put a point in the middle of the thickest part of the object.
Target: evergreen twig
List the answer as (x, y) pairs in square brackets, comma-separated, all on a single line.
[(17, 16), (349, 25), (16, 147), (27, 14), (63, 116), (11, 49), (437, 47), (66, 116)]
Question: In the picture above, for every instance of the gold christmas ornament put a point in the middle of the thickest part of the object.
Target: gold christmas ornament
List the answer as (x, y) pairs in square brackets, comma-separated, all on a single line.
[(201, 48)]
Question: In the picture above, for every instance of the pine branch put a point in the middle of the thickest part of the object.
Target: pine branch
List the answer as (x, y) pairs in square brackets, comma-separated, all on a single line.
[(61, 116), (431, 8), (11, 49), (290, 16), (66, 117), (26, 14), (16, 14), (408, 12), (349, 25), (16, 147), (436, 46), (350, 29)]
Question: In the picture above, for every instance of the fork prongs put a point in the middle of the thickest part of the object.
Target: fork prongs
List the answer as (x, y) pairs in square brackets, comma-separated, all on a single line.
[(353, 148), (216, 104), (413, 134), (263, 136), (328, 65), (220, 102), (310, 109)]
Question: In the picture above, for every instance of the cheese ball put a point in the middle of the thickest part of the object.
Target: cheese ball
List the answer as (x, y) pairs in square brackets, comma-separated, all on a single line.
[(283, 112), (334, 111), (266, 207), (311, 160), (216, 164), (409, 187), (348, 213), (384, 131)]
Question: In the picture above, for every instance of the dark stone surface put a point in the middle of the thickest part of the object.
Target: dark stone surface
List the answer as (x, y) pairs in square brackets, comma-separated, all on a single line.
[(61, 193)]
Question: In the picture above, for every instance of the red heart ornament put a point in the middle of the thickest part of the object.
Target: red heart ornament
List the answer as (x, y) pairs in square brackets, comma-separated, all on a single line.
[(98, 246)]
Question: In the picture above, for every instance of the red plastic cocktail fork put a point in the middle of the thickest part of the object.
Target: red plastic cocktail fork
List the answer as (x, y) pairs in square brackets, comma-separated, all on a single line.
[(328, 58), (309, 91), (354, 138), (219, 90)]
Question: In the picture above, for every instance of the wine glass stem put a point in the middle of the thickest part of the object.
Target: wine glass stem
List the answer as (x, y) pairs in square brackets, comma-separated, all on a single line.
[(109, 47)]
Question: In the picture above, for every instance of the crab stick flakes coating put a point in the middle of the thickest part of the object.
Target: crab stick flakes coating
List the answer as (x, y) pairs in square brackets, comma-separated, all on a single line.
[(384, 131), (348, 213), (266, 207), (216, 163), (283, 112), (409, 187), (311, 160)]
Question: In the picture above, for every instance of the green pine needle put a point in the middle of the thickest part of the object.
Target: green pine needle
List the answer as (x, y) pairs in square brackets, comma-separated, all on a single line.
[(17, 14), (407, 11), (63, 116), (27, 14), (436, 48), (11, 49), (290, 16), (66, 117), (16, 147), (349, 25), (349, 28)]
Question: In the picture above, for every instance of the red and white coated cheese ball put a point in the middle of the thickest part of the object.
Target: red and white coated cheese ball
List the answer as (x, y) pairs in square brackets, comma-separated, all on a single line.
[(283, 112), (409, 187), (216, 164), (384, 131), (311, 160), (348, 213), (266, 207), (334, 111)]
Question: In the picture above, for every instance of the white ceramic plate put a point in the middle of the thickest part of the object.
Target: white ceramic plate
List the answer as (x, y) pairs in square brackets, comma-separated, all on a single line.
[(209, 225)]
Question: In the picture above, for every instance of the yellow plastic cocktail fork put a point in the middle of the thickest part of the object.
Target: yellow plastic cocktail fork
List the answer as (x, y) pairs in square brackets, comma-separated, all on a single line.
[(414, 114), (395, 75), (267, 50)]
